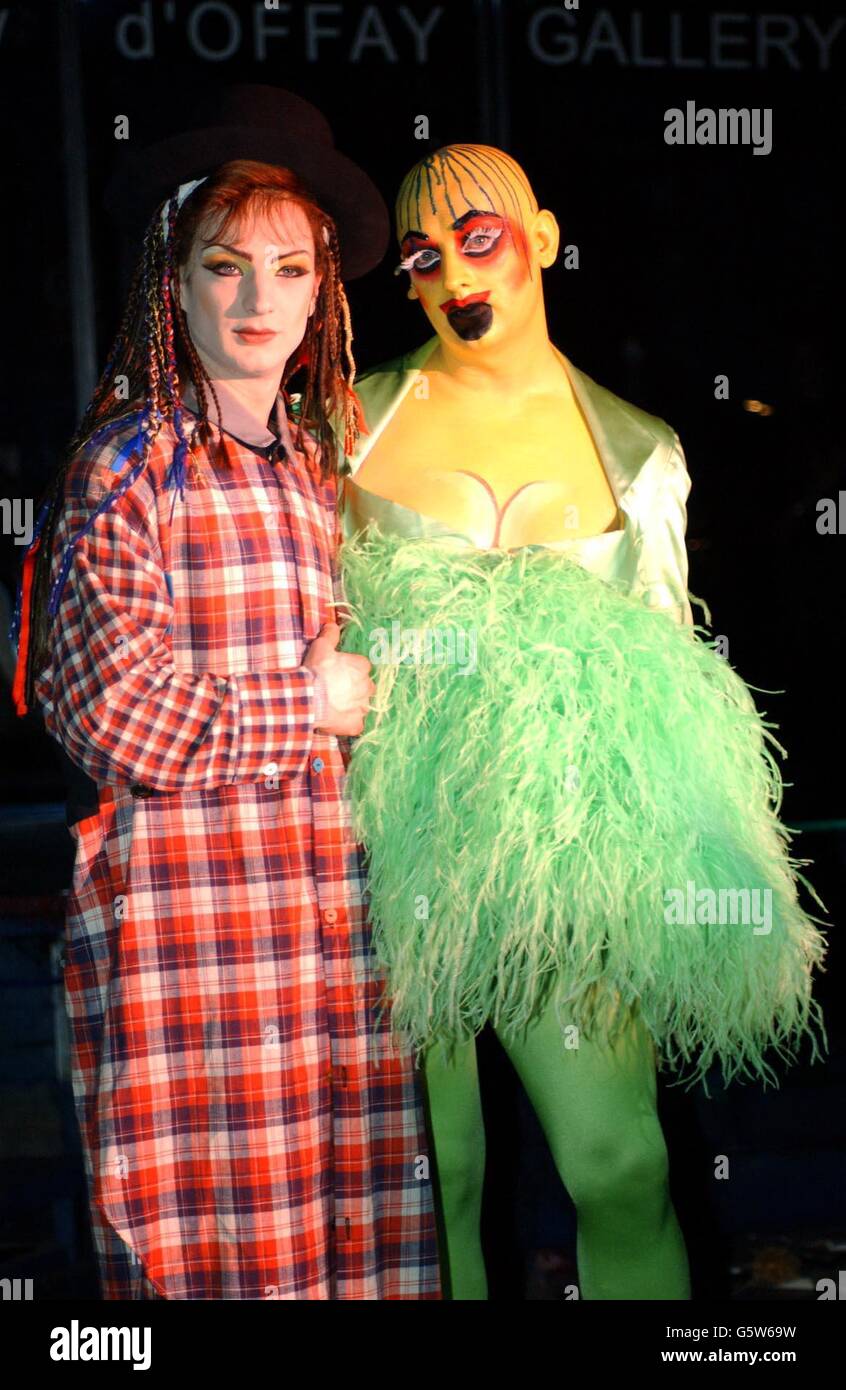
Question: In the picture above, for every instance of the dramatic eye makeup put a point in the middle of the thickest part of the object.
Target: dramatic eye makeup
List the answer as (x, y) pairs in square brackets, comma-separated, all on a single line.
[(420, 259), (219, 263), (482, 239), (478, 238)]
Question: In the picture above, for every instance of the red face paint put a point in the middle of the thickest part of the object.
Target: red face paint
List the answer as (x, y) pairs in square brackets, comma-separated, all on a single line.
[(474, 228), (522, 269)]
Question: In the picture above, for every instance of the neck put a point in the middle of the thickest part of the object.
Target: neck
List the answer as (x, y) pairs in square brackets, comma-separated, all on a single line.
[(255, 394), (519, 364)]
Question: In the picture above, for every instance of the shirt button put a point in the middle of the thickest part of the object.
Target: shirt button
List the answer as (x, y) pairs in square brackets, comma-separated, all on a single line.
[(269, 769), (318, 765), (330, 915)]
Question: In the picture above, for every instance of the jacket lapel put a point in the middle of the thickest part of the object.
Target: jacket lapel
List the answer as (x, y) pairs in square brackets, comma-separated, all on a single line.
[(623, 441)]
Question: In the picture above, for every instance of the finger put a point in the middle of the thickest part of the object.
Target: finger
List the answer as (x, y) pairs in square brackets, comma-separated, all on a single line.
[(331, 632)]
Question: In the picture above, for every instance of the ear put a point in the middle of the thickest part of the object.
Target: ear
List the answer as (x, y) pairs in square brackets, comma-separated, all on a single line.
[(181, 285), (544, 236), (412, 293)]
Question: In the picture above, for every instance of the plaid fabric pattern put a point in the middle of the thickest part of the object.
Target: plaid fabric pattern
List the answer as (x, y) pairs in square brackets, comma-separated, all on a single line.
[(251, 1128)]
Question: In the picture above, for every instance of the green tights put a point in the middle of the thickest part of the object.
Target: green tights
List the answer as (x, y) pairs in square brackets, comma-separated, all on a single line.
[(596, 1105)]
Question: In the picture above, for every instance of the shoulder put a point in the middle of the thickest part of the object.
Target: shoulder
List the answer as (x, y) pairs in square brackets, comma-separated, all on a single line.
[(396, 366), (108, 458), (305, 460), (407, 361), (392, 366), (377, 386)]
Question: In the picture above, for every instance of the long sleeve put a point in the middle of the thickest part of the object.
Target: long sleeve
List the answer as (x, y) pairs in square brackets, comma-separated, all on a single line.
[(114, 699)]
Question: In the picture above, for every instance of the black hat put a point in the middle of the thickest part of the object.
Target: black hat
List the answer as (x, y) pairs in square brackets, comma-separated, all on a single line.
[(276, 127)]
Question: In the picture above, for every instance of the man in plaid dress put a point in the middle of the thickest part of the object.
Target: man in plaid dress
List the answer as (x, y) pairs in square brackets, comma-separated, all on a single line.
[(251, 1127), (250, 1130)]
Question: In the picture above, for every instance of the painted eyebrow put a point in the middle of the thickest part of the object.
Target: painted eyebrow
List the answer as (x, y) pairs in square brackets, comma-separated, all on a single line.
[(458, 224), (245, 255), (474, 212)]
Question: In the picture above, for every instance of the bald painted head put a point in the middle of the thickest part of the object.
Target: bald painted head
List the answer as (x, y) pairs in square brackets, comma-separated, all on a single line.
[(473, 242)]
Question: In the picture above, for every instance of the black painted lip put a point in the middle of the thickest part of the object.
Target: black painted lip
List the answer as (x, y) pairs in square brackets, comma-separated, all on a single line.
[(466, 311), (472, 321), (470, 312)]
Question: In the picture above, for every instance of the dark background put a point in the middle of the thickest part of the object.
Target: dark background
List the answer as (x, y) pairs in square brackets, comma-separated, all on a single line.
[(695, 262)]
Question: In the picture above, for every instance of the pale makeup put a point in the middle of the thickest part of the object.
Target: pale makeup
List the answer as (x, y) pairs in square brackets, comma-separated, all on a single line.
[(261, 280)]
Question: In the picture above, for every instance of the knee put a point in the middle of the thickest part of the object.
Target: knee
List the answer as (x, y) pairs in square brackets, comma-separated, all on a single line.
[(621, 1171), (461, 1170)]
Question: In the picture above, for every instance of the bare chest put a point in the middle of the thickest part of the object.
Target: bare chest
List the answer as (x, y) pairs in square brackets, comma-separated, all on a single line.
[(505, 478)]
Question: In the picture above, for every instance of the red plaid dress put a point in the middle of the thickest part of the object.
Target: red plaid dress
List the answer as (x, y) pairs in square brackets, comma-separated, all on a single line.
[(251, 1129)]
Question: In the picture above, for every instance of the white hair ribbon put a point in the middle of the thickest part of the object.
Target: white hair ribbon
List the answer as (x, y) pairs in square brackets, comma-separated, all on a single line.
[(183, 191)]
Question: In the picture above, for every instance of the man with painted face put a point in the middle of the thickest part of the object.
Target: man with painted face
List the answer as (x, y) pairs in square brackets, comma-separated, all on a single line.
[(533, 814)]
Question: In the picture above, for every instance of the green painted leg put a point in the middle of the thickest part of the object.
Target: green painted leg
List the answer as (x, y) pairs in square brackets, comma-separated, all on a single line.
[(458, 1139), (596, 1104)]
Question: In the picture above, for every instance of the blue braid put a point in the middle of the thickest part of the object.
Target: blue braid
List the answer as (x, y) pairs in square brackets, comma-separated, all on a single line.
[(149, 422), (176, 472)]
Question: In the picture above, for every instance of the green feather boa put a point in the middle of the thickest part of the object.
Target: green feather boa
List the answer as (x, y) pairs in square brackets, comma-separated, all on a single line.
[(532, 783)]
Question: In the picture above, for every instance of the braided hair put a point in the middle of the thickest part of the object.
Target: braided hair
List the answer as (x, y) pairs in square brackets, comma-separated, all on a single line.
[(153, 352)]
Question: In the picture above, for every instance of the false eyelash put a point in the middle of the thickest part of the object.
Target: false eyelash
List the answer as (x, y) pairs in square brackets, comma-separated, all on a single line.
[(495, 232), (410, 260)]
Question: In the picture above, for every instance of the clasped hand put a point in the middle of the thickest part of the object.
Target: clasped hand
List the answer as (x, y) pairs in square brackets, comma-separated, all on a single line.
[(346, 677)]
